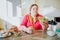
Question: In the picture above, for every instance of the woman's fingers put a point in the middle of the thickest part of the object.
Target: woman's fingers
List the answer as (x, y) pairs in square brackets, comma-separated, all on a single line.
[(32, 29)]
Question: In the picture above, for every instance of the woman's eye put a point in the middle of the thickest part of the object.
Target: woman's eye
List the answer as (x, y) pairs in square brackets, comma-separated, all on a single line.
[(33, 9)]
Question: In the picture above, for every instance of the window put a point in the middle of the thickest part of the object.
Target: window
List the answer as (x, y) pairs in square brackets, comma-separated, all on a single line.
[(14, 8)]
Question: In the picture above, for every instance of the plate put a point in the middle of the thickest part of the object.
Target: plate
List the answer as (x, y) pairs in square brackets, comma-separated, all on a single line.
[(50, 33), (5, 35)]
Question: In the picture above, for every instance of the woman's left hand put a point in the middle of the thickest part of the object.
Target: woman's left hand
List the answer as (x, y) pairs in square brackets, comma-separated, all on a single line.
[(46, 24)]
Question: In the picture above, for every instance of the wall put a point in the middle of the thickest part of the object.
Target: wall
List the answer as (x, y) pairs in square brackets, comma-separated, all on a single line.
[(46, 7), (49, 8), (7, 9), (3, 12), (25, 6)]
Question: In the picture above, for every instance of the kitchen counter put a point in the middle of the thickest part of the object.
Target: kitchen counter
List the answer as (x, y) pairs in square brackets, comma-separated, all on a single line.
[(36, 36)]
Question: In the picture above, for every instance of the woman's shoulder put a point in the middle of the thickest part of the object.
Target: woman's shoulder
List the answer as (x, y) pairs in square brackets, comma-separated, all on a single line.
[(41, 16), (26, 15)]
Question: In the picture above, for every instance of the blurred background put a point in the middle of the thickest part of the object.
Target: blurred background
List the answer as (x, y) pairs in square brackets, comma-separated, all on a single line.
[(12, 11)]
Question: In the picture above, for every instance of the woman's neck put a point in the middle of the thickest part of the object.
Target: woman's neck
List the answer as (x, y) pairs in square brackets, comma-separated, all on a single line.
[(33, 16)]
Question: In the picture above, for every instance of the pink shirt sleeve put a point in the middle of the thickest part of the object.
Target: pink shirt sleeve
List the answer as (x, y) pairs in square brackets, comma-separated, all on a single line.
[(24, 21)]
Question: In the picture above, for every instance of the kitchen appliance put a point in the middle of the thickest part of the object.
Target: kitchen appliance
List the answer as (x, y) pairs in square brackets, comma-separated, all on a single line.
[(57, 19), (52, 28)]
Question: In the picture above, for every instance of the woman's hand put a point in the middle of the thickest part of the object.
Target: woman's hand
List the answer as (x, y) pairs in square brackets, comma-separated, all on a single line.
[(45, 24), (32, 29)]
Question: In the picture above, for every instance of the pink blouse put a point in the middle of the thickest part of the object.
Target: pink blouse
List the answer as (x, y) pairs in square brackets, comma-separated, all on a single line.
[(27, 23)]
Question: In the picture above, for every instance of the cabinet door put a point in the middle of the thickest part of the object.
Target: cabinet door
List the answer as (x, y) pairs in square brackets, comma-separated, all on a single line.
[(14, 8), (1, 25)]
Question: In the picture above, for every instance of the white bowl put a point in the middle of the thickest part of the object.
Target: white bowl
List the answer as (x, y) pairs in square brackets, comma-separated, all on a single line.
[(50, 33)]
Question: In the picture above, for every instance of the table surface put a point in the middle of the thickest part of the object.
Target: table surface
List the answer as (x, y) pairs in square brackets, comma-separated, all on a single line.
[(36, 36)]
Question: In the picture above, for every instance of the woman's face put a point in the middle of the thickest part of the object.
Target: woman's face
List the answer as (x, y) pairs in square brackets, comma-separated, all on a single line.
[(34, 10)]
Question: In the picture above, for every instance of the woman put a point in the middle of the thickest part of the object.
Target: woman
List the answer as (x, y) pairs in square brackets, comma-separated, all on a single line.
[(33, 21)]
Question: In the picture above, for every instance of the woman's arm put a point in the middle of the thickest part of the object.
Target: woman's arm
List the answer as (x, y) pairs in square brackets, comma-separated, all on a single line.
[(23, 26), (24, 21), (45, 23)]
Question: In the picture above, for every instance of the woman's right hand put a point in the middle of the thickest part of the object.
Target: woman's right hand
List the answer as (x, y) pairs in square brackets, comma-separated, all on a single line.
[(32, 29)]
